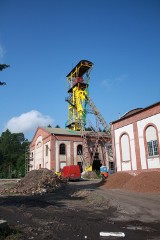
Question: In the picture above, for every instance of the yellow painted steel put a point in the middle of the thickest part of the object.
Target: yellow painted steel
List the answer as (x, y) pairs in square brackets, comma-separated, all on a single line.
[(76, 109), (78, 95), (83, 64)]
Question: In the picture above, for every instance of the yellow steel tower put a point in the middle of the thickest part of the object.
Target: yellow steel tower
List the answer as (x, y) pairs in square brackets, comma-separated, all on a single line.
[(78, 82)]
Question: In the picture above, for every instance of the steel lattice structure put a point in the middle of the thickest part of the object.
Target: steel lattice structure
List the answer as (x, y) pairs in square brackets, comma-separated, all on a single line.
[(78, 82)]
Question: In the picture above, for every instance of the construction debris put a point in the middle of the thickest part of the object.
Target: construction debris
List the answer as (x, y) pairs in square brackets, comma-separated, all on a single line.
[(37, 182), (89, 175)]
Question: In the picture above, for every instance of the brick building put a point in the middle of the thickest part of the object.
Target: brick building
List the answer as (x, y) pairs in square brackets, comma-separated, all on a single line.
[(136, 140), (54, 148)]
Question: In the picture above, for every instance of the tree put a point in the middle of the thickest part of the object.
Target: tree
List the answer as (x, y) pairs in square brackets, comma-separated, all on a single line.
[(3, 66), (57, 126), (12, 154)]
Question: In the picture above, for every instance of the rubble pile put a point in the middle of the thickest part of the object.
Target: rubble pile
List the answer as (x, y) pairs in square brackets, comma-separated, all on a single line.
[(89, 175), (143, 182), (117, 180), (37, 182)]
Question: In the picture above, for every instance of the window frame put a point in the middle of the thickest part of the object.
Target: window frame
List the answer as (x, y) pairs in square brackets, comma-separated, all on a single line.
[(122, 150), (111, 165), (150, 150), (153, 148), (79, 153), (46, 150), (62, 149)]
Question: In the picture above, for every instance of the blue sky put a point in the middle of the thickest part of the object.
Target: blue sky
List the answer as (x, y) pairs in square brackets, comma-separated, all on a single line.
[(43, 39)]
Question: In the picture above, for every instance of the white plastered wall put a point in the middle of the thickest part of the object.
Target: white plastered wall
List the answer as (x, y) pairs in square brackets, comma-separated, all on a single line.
[(153, 162), (125, 165), (47, 159), (38, 154)]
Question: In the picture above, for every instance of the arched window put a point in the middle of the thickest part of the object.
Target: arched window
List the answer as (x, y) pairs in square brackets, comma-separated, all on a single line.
[(39, 144), (125, 148), (79, 149), (152, 142), (62, 149)]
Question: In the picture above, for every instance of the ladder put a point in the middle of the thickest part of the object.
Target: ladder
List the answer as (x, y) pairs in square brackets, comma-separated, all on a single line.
[(98, 115)]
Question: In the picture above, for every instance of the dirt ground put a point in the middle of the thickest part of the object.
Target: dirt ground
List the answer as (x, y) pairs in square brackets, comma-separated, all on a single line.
[(81, 210)]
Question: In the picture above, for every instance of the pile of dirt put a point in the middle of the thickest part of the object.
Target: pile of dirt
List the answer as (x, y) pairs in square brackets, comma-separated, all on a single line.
[(117, 180), (144, 182), (37, 182)]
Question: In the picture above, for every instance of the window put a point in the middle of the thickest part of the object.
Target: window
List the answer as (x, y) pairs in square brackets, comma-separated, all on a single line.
[(111, 165), (79, 149), (62, 149), (125, 147), (31, 156), (96, 156), (152, 142), (47, 148), (39, 144), (152, 148)]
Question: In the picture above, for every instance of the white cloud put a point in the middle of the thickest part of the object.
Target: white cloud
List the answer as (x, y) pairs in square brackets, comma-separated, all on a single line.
[(109, 83), (106, 83), (121, 78), (27, 122)]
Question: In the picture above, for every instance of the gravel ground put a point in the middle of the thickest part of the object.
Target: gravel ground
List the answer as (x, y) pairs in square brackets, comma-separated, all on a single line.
[(82, 210)]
